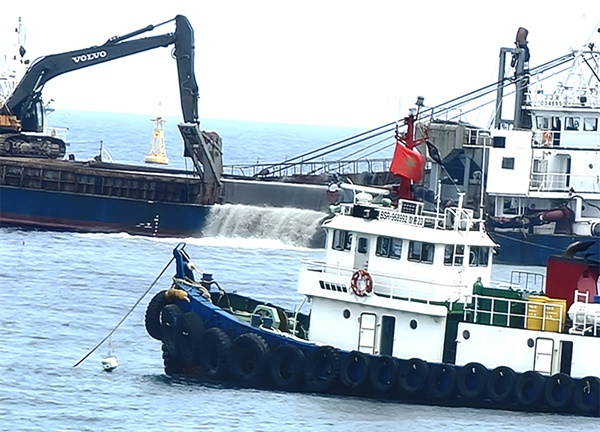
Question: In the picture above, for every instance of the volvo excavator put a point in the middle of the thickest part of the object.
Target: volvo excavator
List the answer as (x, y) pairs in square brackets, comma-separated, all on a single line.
[(22, 115)]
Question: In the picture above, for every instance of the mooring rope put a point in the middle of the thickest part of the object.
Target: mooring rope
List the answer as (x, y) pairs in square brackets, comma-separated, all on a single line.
[(126, 315)]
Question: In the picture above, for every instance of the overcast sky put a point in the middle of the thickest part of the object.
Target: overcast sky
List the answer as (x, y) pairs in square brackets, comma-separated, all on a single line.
[(355, 63)]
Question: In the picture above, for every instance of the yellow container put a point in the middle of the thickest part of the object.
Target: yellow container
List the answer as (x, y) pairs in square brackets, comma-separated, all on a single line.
[(556, 314), (535, 312)]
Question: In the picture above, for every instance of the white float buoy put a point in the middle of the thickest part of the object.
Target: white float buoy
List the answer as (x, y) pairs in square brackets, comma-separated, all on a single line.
[(110, 363)]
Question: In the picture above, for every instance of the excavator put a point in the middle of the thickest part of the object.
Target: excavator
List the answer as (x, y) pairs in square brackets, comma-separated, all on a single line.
[(22, 116)]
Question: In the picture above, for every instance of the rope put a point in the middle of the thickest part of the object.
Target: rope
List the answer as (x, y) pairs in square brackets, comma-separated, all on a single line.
[(126, 315)]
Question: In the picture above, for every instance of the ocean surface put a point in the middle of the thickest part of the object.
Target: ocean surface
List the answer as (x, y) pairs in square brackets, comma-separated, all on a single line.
[(62, 293)]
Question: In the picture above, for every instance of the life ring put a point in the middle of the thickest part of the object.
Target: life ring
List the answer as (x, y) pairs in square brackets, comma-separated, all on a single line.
[(383, 373), (322, 369), (248, 359), (188, 337), (500, 384), (412, 376), (213, 358), (152, 318), (287, 366), (354, 370), (441, 382), (529, 389), (170, 316), (558, 391), (547, 138), (361, 283), (471, 380), (586, 397)]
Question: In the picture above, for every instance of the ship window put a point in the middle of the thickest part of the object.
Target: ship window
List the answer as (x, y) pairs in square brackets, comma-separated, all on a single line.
[(572, 123), (453, 258), (342, 240), (420, 252), (362, 245), (508, 163), (389, 247), (590, 124), (542, 123), (479, 256), (555, 123)]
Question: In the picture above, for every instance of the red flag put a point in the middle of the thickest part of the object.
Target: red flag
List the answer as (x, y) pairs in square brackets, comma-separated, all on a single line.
[(407, 163)]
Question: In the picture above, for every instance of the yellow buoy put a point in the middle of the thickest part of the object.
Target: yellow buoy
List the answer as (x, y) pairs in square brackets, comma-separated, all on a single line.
[(158, 150)]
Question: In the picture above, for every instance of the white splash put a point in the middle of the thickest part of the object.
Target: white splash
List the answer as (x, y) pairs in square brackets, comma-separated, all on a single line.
[(295, 227)]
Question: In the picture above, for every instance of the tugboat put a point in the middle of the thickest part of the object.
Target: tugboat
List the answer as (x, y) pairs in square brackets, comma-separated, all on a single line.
[(402, 308)]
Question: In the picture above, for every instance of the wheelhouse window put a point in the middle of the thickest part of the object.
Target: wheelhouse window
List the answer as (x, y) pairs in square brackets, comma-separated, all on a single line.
[(572, 123), (590, 124), (389, 247), (542, 123), (342, 240), (421, 252), (453, 255), (479, 256), (508, 163)]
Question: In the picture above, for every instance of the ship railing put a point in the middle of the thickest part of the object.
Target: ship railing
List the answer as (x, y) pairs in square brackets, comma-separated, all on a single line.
[(289, 169), (541, 181), (412, 213), (521, 281), (477, 138), (515, 313), (56, 132), (338, 278)]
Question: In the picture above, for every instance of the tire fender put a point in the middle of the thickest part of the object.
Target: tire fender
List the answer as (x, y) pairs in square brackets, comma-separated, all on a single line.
[(500, 384), (152, 318), (354, 370), (170, 317), (529, 389), (383, 373), (287, 366), (213, 358), (189, 335), (322, 369), (248, 357), (586, 396), (441, 382), (412, 376), (471, 380)]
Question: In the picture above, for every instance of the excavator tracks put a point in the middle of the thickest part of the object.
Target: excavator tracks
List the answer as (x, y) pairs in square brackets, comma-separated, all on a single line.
[(33, 146)]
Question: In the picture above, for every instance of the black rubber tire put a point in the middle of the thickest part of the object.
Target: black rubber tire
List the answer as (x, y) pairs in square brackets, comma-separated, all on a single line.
[(248, 357), (287, 367), (558, 391), (500, 385), (170, 316), (586, 396), (529, 389), (354, 370), (412, 376), (322, 369), (213, 357), (471, 380), (383, 374), (441, 382), (189, 334), (152, 318), (172, 365)]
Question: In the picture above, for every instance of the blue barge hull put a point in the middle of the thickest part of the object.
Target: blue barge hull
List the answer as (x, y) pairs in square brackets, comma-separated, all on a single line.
[(517, 248), (93, 213)]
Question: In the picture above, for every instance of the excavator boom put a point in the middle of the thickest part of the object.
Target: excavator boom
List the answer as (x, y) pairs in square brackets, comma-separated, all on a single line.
[(24, 107)]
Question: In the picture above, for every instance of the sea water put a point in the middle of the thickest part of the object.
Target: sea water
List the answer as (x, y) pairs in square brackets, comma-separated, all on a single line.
[(62, 293)]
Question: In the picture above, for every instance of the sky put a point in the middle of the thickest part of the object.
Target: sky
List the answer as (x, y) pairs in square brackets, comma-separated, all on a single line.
[(329, 62)]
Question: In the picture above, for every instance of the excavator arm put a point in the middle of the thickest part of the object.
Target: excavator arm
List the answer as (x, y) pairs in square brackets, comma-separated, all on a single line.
[(25, 103)]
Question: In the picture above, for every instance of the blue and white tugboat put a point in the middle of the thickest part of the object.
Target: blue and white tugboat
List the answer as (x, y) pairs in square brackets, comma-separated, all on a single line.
[(401, 308)]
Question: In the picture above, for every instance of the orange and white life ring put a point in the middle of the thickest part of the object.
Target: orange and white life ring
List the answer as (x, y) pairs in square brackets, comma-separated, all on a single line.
[(361, 283), (547, 138)]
